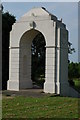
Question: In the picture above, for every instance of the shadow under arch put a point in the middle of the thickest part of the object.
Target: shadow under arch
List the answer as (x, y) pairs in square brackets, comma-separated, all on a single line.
[(25, 57)]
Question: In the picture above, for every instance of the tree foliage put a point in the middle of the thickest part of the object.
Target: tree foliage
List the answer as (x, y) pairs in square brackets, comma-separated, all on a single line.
[(70, 48), (74, 70), (7, 22)]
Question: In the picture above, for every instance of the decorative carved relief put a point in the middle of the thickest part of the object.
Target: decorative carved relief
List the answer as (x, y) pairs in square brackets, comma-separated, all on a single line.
[(32, 24)]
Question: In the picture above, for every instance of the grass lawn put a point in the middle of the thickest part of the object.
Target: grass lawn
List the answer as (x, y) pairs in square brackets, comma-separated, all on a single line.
[(43, 107), (77, 84)]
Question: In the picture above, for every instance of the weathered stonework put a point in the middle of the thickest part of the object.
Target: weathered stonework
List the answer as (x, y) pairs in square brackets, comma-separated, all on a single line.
[(56, 38)]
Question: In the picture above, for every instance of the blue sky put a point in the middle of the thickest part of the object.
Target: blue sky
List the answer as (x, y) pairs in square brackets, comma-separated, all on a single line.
[(68, 11)]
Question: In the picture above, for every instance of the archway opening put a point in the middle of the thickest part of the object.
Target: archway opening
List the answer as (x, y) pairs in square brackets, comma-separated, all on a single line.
[(38, 60), (32, 60)]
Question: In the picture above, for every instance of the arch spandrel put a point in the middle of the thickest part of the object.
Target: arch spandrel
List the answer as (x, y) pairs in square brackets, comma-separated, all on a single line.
[(45, 27)]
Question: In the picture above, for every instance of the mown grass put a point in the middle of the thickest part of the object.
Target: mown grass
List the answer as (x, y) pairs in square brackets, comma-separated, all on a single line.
[(44, 107), (77, 84)]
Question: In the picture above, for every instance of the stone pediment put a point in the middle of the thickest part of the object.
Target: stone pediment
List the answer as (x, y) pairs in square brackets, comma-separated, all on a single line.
[(37, 13)]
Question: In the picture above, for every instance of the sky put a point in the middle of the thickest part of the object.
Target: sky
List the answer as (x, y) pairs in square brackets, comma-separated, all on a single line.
[(68, 11)]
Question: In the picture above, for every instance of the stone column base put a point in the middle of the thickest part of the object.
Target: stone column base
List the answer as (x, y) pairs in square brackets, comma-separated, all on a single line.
[(26, 84), (13, 85), (49, 87)]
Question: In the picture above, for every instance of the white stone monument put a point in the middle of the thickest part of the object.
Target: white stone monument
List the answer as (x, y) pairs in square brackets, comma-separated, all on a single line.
[(56, 38)]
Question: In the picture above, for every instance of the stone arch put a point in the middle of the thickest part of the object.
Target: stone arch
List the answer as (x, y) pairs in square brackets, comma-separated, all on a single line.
[(25, 58), (53, 31), (56, 66)]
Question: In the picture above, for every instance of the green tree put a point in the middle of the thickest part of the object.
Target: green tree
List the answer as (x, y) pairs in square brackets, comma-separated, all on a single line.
[(70, 49), (7, 22), (74, 70)]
